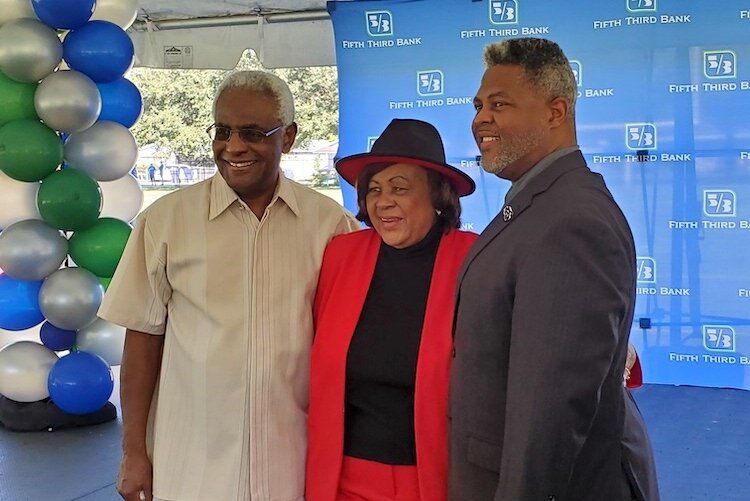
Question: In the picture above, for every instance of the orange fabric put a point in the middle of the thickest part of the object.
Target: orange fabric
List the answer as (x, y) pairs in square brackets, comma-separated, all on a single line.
[(345, 276), (372, 481)]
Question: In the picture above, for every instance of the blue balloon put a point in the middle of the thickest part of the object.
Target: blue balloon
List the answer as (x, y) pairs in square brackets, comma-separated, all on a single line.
[(55, 338), (121, 102), (80, 383), (19, 303), (63, 14), (100, 50)]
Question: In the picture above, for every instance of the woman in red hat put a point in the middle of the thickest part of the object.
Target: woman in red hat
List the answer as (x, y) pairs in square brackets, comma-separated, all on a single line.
[(377, 423)]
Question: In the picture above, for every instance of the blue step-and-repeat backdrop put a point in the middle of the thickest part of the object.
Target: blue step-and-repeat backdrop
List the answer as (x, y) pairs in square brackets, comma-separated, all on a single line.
[(663, 113)]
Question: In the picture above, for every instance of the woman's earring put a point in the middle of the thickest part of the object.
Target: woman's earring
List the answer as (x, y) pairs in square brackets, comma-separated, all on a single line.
[(438, 211)]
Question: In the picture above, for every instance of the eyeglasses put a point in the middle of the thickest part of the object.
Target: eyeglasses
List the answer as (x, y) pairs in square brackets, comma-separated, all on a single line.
[(249, 135)]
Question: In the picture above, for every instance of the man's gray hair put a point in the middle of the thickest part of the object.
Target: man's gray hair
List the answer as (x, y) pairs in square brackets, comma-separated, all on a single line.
[(263, 82), (544, 63)]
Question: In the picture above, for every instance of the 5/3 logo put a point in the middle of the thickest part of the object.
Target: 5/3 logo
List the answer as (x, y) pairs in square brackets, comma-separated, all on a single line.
[(640, 136), (646, 269), (430, 83), (641, 5), (379, 23), (718, 338), (577, 71), (719, 203), (719, 64), (504, 12)]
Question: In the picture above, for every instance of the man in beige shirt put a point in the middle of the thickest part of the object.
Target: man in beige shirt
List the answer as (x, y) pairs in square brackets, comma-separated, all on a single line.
[(215, 288)]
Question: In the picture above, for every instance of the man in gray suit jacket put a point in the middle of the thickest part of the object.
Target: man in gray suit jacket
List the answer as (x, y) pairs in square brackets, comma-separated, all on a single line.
[(544, 308)]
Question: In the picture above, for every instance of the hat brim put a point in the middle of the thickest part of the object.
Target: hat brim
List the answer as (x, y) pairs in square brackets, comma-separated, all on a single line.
[(352, 166)]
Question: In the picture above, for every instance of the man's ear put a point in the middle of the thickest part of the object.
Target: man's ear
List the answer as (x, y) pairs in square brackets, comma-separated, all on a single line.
[(290, 133), (559, 112)]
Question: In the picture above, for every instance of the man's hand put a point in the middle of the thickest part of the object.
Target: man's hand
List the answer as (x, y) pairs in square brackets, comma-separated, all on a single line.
[(135, 477)]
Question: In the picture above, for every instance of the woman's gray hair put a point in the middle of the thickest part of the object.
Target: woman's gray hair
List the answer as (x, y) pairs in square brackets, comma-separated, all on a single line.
[(543, 61), (263, 82)]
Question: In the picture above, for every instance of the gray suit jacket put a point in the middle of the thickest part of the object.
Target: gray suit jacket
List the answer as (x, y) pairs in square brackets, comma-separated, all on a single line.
[(544, 310)]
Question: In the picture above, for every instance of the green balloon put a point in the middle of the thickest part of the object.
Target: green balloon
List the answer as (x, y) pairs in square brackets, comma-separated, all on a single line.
[(99, 247), (29, 150), (69, 199), (16, 100)]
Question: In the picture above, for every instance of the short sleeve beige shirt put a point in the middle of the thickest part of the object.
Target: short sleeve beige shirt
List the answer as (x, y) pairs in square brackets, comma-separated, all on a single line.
[(233, 296)]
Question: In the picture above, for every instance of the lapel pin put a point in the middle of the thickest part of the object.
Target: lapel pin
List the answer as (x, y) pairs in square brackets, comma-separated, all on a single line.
[(507, 213)]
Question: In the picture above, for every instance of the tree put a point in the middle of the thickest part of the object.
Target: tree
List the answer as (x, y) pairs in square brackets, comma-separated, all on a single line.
[(177, 110), (178, 103)]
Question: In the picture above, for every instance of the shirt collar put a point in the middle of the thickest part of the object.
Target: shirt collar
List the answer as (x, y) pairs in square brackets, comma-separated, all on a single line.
[(536, 169), (222, 196)]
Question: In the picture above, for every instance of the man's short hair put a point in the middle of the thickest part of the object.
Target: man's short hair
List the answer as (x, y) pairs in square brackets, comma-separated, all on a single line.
[(264, 82), (543, 61)]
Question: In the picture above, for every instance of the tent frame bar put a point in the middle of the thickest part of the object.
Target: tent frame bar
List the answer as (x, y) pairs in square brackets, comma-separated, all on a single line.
[(243, 19)]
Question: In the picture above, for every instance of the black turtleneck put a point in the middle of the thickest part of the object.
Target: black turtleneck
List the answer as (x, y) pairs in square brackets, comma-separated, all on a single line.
[(382, 360)]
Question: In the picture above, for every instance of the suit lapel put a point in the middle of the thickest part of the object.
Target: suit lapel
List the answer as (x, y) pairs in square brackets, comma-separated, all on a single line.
[(522, 201)]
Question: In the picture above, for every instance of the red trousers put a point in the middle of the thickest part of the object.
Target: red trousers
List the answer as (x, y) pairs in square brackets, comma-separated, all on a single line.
[(363, 480)]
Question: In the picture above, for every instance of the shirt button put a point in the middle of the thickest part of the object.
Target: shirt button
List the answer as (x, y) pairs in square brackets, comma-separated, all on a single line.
[(453, 353)]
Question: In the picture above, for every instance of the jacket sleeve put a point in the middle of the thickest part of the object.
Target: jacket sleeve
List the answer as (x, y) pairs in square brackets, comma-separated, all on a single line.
[(572, 295)]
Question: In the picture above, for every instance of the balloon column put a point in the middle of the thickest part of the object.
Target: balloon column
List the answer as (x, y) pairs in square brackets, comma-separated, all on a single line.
[(66, 193)]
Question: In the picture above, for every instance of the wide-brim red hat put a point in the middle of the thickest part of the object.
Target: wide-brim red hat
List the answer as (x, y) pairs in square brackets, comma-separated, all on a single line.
[(411, 142)]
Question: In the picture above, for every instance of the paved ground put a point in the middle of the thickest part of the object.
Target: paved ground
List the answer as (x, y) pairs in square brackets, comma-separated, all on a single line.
[(700, 438)]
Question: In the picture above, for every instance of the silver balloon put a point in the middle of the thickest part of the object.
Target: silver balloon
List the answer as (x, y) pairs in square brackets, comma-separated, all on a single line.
[(29, 50), (120, 12), (31, 250), (122, 198), (105, 151), (70, 297), (68, 101), (104, 339), (24, 368), (11, 10), (17, 201)]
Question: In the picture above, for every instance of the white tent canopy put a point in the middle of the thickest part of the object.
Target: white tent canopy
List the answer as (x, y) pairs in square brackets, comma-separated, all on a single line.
[(214, 33)]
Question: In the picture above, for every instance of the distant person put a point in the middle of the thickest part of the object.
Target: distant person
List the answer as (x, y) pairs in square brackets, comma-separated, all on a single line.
[(215, 288), (545, 306), (174, 171), (383, 315), (151, 173), (187, 171), (161, 172)]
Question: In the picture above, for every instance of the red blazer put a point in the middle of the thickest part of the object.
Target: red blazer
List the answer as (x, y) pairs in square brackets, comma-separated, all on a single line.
[(348, 266)]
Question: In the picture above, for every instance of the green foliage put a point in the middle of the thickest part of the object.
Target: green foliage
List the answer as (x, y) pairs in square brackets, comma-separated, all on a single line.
[(177, 106)]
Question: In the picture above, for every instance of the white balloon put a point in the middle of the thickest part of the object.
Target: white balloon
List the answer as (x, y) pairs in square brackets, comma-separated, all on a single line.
[(29, 50), (120, 12), (70, 298), (17, 201), (15, 9), (122, 198), (104, 339), (68, 101), (24, 368), (105, 151), (31, 250)]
